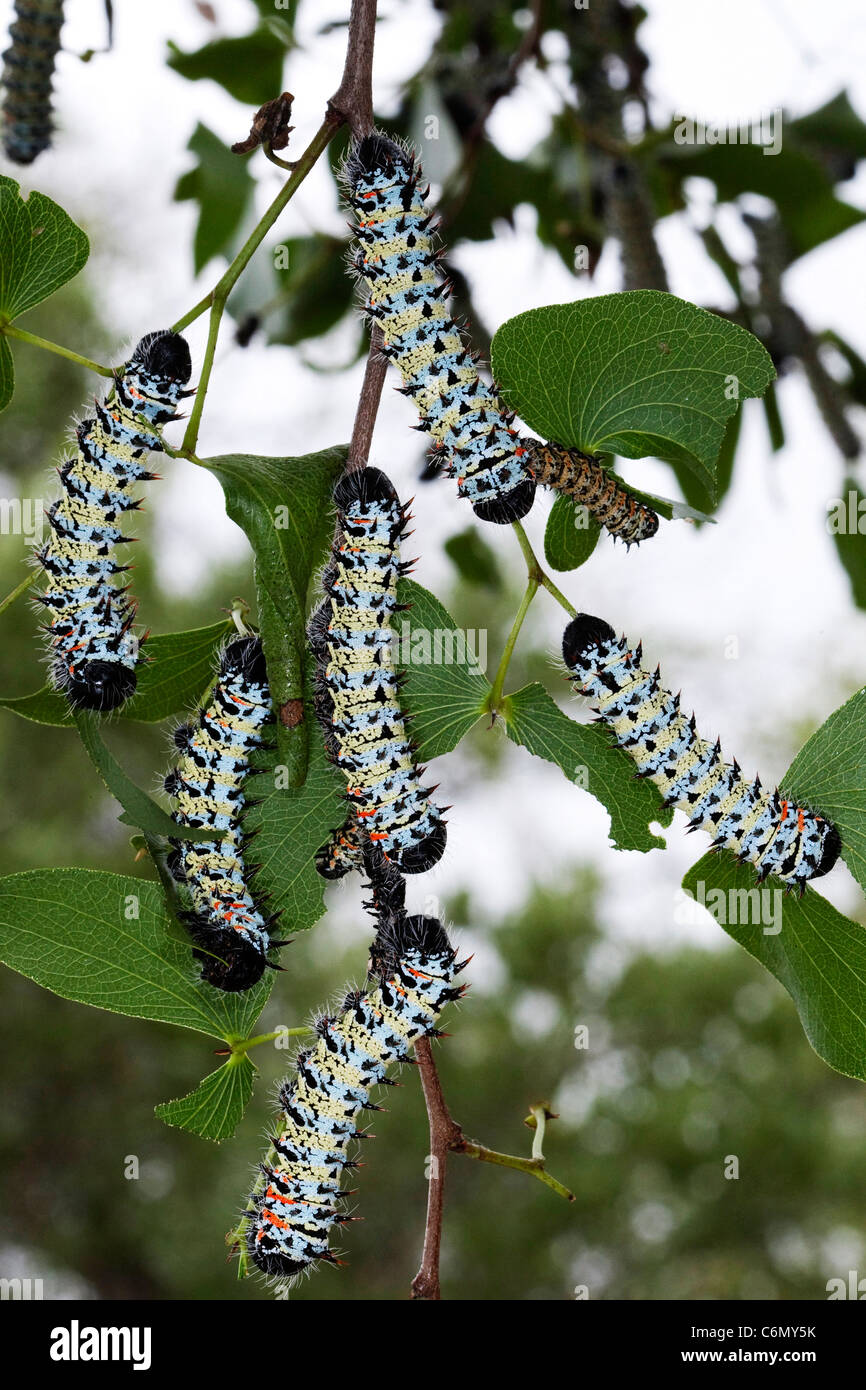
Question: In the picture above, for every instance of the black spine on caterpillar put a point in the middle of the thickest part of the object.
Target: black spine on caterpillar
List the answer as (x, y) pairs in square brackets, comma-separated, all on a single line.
[(228, 920), (765, 828), (28, 67), (357, 687), (583, 477), (397, 261), (93, 648), (297, 1201)]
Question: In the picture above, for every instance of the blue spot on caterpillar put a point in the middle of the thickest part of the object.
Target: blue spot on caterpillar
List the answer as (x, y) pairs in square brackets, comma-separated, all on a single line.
[(28, 67), (765, 828), (94, 650), (497, 467), (227, 919), (411, 978), (398, 263), (356, 687)]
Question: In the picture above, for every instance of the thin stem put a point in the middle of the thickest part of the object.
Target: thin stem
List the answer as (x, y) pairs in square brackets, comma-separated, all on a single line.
[(353, 99), (245, 1044), (535, 570), (352, 103), (533, 1166), (195, 313), (220, 293), (275, 158), (539, 1113), (9, 330), (494, 699), (16, 593), (444, 1133), (368, 404)]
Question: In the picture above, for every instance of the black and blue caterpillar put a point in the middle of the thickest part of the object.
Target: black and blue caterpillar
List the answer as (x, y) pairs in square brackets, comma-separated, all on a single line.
[(765, 828), (496, 467), (411, 977), (357, 686), (227, 922), (28, 68), (398, 262), (94, 651)]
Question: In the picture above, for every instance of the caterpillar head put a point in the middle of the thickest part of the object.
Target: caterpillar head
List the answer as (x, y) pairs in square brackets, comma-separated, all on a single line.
[(376, 155), (365, 486), (830, 851), (95, 685), (164, 356), (417, 859), (272, 1262), (582, 635), (236, 965), (508, 506), (245, 657)]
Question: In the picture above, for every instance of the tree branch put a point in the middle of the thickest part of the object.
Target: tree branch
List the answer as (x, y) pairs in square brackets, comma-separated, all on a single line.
[(444, 1132), (446, 1135), (368, 404), (352, 103), (353, 99)]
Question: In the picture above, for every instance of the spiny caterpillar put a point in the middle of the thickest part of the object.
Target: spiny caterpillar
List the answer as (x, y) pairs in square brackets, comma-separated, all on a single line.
[(28, 67), (357, 687), (94, 651), (497, 467), (227, 920), (344, 851), (411, 978), (399, 265), (768, 829), (583, 477)]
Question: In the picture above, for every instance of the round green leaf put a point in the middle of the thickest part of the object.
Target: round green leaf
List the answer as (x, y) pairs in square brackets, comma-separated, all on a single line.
[(635, 374), (568, 544)]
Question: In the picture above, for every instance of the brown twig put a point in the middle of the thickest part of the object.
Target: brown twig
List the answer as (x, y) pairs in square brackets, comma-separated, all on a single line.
[(444, 1133), (446, 1136), (368, 404), (353, 99), (528, 48)]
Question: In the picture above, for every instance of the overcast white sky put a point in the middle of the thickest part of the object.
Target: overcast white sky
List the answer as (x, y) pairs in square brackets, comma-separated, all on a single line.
[(125, 122)]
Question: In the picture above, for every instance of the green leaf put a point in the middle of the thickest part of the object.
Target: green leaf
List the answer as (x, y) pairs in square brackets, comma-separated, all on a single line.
[(583, 752), (571, 535), (445, 692), (473, 559), (284, 506), (40, 249), (250, 68), (291, 823), (315, 292), (636, 373), (69, 931), (795, 181), (215, 1108), (138, 808), (829, 776), (222, 186), (848, 539), (179, 667), (819, 955), (7, 373), (285, 662)]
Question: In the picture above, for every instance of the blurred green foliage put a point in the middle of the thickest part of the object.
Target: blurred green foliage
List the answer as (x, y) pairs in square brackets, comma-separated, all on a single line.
[(693, 1057)]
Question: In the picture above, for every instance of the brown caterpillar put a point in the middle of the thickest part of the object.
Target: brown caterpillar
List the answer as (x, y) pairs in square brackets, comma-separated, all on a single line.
[(583, 477)]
